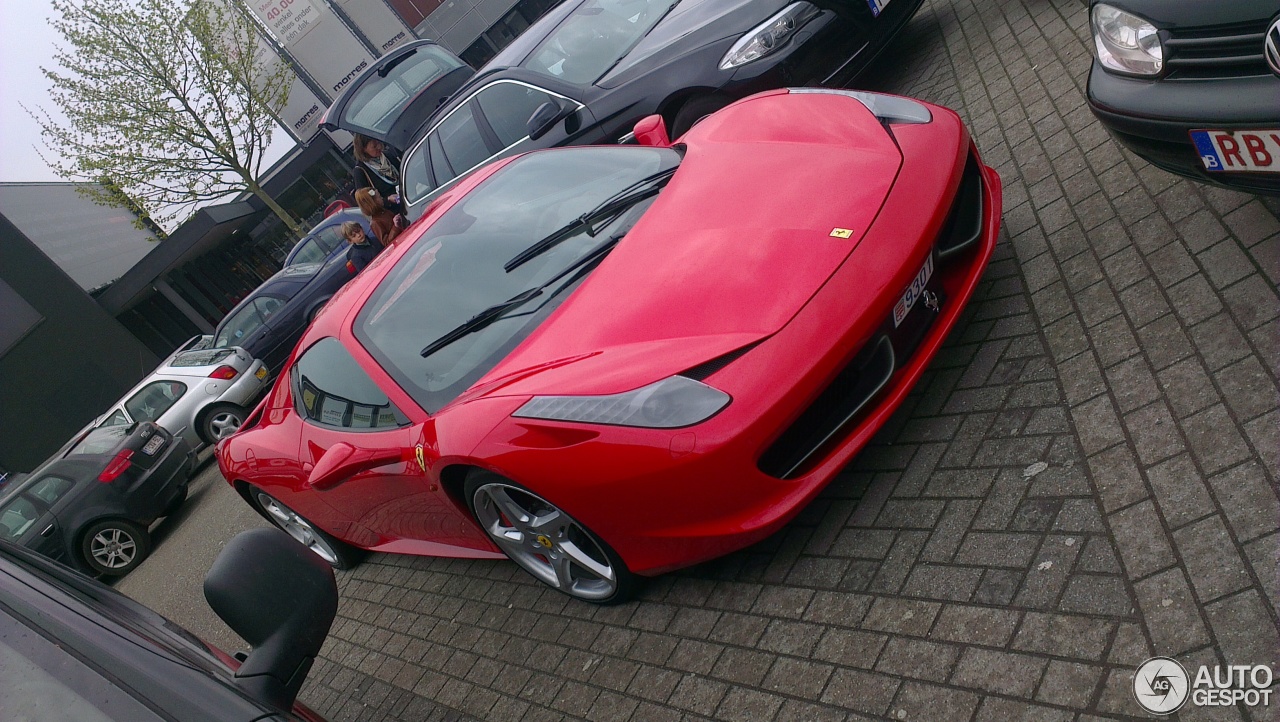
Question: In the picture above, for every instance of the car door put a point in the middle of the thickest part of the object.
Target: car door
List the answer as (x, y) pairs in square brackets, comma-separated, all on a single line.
[(28, 519), (340, 404)]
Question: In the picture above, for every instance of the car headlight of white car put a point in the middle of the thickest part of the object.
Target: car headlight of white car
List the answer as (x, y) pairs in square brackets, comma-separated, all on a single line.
[(1125, 43), (667, 404), (768, 36)]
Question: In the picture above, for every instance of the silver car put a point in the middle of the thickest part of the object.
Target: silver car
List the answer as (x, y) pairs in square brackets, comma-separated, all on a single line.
[(199, 395)]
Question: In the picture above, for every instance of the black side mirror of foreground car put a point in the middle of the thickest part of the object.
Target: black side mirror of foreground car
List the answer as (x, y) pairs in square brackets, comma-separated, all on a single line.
[(281, 598), (545, 117)]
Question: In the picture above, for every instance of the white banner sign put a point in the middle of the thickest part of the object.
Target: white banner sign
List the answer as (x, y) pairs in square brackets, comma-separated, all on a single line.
[(379, 23), (317, 40)]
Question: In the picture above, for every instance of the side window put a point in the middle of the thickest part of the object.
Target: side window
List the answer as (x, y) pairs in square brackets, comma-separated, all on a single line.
[(51, 488), (154, 399), (116, 419), (309, 251), (16, 518), (332, 390), (239, 327), (328, 239), (417, 178), (444, 173), (461, 140), (507, 107), (268, 305)]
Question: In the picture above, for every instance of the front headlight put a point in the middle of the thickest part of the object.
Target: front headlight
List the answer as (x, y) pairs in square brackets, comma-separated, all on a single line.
[(667, 404), (1126, 43), (769, 35)]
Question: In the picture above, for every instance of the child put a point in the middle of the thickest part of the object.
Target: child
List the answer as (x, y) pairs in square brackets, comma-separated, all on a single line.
[(361, 251), (383, 221)]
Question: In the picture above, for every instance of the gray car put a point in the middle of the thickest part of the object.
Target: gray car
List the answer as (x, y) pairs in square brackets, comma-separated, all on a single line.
[(199, 395)]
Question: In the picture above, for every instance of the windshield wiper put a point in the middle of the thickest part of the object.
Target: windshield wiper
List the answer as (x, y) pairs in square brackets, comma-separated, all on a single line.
[(498, 311), (615, 204)]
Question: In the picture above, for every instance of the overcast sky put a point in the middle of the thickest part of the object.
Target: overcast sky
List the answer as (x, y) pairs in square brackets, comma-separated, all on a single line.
[(29, 44)]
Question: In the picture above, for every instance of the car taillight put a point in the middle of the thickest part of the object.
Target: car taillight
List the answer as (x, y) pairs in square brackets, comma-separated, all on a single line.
[(224, 372), (119, 464)]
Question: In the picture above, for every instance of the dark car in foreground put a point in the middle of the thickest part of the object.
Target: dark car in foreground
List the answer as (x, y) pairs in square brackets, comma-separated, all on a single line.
[(1192, 87), (270, 319), (614, 361), (90, 506), (72, 648), (589, 69)]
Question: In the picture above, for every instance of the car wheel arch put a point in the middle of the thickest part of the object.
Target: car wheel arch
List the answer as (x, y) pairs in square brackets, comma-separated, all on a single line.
[(671, 107)]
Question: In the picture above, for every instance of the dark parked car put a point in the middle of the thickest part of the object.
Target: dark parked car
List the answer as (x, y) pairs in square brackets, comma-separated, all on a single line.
[(90, 506), (73, 648), (590, 69), (270, 320), (1192, 87), (325, 242)]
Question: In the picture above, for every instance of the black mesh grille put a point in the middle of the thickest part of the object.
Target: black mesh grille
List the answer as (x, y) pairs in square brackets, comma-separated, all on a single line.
[(1223, 51), (846, 395), (963, 227)]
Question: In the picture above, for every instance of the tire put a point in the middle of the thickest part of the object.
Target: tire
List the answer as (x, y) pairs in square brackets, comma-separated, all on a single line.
[(546, 542), (114, 547), (221, 421), (693, 110), (338, 554)]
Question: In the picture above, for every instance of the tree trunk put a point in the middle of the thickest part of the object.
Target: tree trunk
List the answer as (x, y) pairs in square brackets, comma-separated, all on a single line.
[(276, 208)]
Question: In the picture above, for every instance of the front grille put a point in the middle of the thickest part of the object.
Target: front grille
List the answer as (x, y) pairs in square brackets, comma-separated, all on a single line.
[(963, 227), (851, 390), (1222, 51)]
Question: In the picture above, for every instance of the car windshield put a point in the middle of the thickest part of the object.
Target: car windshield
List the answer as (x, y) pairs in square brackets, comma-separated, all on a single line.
[(594, 37), (206, 357), (455, 271), (383, 97)]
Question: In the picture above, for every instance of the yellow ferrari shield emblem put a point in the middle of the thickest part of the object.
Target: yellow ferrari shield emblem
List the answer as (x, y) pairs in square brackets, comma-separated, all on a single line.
[(841, 232), (417, 453), (544, 541)]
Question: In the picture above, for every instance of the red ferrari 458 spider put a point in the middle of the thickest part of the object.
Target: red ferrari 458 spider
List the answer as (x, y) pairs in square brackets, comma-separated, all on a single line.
[(611, 362)]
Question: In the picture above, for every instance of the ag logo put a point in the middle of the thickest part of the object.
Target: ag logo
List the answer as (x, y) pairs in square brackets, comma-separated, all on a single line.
[(1161, 685)]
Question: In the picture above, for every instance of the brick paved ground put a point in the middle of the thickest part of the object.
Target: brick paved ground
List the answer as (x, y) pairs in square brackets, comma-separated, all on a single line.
[(1086, 476)]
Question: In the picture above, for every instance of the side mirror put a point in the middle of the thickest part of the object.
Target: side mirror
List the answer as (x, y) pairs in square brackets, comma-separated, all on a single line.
[(545, 117), (652, 131), (342, 461), (281, 598)]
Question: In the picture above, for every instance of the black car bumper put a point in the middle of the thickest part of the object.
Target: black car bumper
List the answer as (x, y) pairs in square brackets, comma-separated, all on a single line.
[(1154, 119)]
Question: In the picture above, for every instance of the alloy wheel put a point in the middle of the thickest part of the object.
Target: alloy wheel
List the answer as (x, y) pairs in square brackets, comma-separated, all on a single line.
[(545, 541), (113, 548), (297, 527), (223, 424)]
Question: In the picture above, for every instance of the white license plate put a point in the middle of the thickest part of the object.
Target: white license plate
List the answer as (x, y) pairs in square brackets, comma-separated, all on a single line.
[(877, 6), (913, 292), (1241, 151), (153, 445)]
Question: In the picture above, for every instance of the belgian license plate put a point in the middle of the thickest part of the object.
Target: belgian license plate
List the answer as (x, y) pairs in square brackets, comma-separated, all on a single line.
[(1241, 151), (877, 6), (153, 445), (261, 373), (913, 292)]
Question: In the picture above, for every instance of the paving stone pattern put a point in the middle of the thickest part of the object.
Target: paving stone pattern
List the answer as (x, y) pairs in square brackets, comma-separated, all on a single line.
[(1085, 477)]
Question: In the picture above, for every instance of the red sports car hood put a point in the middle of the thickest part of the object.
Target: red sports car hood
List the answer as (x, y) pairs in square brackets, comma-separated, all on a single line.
[(770, 200)]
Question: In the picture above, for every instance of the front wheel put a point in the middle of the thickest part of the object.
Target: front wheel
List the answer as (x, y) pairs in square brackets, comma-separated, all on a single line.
[(114, 547), (339, 554), (548, 543), (694, 110)]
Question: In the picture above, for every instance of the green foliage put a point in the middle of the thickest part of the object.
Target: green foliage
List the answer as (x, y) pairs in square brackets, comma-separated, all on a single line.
[(171, 99)]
